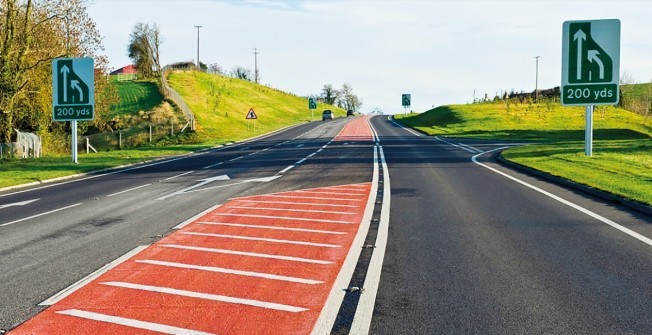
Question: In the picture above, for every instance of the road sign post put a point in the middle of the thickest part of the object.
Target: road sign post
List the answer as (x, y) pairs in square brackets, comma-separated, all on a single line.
[(590, 67), (312, 105), (73, 93), (406, 100)]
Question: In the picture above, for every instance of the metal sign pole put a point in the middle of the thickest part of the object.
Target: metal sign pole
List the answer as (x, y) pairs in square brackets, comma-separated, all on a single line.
[(588, 136), (74, 141)]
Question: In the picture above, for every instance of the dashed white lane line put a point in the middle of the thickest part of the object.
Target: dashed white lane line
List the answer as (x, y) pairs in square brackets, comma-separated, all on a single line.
[(297, 203), (264, 239), (292, 210), (283, 218), (156, 327), (231, 271), (213, 165), (39, 215), (179, 175), (208, 296), (249, 254), (286, 169), (304, 230), (128, 190)]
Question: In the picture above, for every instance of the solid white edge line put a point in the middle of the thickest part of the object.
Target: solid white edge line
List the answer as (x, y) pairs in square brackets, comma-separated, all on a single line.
[(362, 319), (189, 221), (241, 225), (596, 216), (82, 282), (129, 190), (133, 323), (263, 239), (208, 296), (230, 271), (39, 215), (328, 314), (245, 253)]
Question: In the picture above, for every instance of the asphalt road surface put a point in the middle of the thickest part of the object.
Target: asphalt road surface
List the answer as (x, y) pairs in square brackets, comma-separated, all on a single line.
[(466, 246)]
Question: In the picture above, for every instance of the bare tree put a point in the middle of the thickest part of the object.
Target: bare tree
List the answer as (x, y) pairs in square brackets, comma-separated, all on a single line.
[(143, 49), (241, 72), (347, 100)]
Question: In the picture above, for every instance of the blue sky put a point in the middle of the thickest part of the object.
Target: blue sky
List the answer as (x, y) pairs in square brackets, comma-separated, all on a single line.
[(438, 51)]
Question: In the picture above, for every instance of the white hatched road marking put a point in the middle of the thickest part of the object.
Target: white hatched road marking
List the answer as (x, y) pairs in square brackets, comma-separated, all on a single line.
[(334, 193), (232, 271), (283, 218), (157, 327), (298, 197), (263, 239), (298, 203), (291, 210), (208, 296), (273, 227), (250, 254)]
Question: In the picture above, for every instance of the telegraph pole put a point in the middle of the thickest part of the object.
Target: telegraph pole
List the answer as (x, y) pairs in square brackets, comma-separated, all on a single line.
[(536, 81), (256, 75), (198, 67)]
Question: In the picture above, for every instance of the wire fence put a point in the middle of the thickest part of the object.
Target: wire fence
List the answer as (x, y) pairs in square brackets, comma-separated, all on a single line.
[(171, 94), (131, 137)]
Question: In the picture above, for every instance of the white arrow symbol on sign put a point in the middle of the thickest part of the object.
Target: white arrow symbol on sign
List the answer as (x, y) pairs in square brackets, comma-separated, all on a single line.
[(593, 56), (22, 203), (75, 84), (65, 70), (580, 36)]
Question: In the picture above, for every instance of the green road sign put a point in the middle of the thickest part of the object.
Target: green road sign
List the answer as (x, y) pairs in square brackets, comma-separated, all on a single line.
[(73, 96), (312, 104), (407, 99), (590, 62)]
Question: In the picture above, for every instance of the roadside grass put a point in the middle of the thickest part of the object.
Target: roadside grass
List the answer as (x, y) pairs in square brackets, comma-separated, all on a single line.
[(135, 96), (622, 158), (220, 105)]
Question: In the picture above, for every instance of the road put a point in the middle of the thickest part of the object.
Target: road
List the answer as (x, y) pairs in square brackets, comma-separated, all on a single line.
[(449, 242)]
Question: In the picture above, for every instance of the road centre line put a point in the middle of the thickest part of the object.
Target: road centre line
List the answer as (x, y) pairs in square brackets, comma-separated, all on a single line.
[(283, 218), (291, 210), (156, 327), (241, 225), (39, 215), (231, 271), (245, 253), (129, 190), (97, 273), (179, 175), (214, 165), (263, 239), (208, 296), (596, 216), (297, 203)]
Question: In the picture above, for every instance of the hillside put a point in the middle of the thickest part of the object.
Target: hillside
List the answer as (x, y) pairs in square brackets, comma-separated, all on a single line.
[(135, 96), (221, 103)]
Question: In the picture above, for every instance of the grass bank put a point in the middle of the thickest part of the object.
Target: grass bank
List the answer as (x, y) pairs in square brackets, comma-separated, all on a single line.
[(622, 160)]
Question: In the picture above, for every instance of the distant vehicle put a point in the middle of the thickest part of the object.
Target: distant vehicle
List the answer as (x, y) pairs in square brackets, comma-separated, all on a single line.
[(350, 113), (327, 115)]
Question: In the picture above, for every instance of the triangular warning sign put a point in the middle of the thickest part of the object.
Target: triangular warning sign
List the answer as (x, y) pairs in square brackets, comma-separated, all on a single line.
[(251, 114)]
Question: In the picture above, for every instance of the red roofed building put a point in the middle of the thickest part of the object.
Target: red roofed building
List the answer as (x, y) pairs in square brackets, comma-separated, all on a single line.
[(129, 69)]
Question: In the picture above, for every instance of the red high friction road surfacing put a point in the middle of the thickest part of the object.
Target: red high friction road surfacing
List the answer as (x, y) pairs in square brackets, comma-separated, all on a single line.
[(256, 265), (356, 130)]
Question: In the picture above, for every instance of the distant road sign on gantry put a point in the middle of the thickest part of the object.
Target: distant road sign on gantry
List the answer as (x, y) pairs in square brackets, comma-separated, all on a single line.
[(590, 62)]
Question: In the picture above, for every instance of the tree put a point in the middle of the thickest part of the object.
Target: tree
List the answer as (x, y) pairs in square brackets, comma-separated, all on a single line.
[(329, 95), (347, 100), (143, 49), (241, 72), (215, 69)]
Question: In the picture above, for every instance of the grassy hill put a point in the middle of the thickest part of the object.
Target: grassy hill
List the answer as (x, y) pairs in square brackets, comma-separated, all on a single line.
[(221, 103), (622, 159), (135, 96)]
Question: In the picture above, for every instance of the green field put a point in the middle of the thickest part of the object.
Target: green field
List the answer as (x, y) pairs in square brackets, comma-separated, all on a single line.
[(622, 160), (220, 105), (135, 96)]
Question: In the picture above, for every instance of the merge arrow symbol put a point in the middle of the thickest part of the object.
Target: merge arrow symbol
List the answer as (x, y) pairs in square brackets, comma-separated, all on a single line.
[(75, 84), (22, 203), (593, 56)]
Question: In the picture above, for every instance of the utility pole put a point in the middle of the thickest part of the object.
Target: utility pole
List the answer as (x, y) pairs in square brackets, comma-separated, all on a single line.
[(198, 67), (536, 81), (256, 75)]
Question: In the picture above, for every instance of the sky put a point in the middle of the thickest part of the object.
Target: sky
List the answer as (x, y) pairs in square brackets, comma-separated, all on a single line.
[(439, 51)]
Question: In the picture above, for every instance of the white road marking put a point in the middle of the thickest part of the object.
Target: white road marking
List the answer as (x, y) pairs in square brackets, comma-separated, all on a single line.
[(453, 144), (282, 218), (192, 219), (129, 190), (474, 149), (300, 145), (291, 210), (156, 327), (82, 282), (202, 182), (286, 169), (272, 228), (245, 253), (21, 203), (596, 216), (296, 203), (179, 175), (316, 198), (214, 165), (300, 161), (231, 271), (39, 215), (334, 193), (264, 239), (208, 296)]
